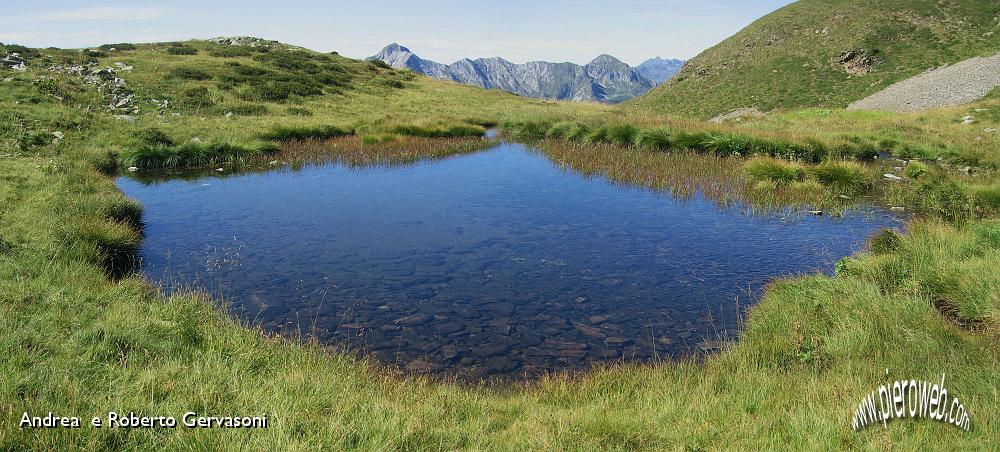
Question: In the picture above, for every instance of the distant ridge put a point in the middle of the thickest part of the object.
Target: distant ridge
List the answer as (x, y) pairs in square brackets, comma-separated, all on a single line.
[(605, 79)]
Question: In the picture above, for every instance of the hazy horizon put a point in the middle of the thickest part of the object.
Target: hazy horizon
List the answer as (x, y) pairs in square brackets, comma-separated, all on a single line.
[(444, 31)]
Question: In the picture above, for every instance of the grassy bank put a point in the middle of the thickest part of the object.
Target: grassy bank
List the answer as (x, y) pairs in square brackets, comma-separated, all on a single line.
[(76, 342)]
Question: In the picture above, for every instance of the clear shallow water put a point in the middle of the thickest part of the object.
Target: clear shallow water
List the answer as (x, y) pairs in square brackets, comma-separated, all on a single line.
[(494, 264)]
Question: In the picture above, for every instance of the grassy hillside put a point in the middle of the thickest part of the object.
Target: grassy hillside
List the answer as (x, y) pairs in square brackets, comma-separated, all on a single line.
[(794, 57)]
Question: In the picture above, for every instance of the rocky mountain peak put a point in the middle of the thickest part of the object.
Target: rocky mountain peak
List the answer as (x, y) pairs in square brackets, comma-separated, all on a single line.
[(605, 79)]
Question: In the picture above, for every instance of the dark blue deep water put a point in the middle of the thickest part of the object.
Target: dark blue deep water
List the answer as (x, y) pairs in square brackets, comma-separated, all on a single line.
[(493, 264)]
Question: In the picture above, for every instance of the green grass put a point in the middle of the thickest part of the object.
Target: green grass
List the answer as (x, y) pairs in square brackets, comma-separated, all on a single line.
[(788, 59), (845, 177), (774, 170), (194, 154)]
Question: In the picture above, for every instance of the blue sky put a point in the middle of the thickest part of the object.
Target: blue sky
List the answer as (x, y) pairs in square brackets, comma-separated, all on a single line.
[(519, 30)]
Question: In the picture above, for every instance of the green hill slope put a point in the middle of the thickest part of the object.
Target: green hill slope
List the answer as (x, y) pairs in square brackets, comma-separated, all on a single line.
[(827, 53)]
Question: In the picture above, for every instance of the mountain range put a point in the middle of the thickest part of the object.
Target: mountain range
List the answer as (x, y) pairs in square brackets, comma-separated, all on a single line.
[(605, 79)]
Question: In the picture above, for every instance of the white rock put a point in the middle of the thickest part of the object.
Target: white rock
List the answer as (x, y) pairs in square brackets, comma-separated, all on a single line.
[(898, 209), (220, 169), (133, 169), (892, 177), (57, 134)]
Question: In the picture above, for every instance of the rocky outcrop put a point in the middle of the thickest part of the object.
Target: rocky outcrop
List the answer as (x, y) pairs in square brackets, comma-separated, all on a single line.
[(106, 80), (15, 62), (605, 79), (659, 70), (859, 61)]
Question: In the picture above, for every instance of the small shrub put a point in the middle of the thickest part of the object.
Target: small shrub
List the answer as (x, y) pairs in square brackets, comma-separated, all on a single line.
[(188, 73), (182, 50), (847, 178), (773, 170), (654, 139), (885, 241)]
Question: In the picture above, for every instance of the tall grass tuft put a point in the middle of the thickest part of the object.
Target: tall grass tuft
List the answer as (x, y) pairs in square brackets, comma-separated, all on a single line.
[(452, 131), (622, 134), (194, 154), (766, 169), (654, 139), (298, 133), (845, 177)]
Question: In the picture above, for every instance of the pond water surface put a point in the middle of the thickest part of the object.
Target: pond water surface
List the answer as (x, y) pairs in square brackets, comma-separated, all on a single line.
[(497, 264)]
